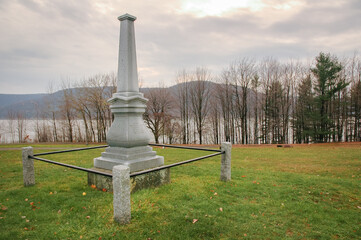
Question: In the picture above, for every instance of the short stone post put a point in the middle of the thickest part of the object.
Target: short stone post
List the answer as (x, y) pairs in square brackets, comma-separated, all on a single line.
[(226, 161), (28, 167), (121, 194)]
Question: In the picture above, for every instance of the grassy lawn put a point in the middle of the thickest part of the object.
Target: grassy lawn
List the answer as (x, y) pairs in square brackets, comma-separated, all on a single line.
[(304, 192)]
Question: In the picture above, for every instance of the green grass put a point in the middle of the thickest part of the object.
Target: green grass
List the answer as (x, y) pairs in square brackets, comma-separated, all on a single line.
[(304, 192)]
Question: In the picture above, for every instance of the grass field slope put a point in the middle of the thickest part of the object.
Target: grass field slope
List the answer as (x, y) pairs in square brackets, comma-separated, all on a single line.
[(303, 192)]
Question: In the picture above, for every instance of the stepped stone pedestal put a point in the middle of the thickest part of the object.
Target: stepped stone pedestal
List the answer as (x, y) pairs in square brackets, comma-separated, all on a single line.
[(128, 137)]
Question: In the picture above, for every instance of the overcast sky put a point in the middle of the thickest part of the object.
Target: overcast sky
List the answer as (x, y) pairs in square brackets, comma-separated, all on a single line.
[(48, 41)]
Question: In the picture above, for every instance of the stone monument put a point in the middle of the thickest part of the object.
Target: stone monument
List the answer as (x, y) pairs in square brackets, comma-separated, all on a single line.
[(128, 136)]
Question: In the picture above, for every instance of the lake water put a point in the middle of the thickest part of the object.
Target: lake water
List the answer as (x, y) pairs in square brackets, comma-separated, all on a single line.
[(9, 129)]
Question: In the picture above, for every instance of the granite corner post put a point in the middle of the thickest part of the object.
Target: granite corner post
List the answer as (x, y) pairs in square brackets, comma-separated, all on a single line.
[(28, 166), (226, 147), (121, 194)]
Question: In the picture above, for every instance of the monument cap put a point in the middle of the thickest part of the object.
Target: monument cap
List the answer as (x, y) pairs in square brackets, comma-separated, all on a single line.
[(127, 16)]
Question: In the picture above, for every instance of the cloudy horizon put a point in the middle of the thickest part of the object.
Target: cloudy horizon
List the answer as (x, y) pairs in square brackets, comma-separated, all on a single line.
[(47, 42)]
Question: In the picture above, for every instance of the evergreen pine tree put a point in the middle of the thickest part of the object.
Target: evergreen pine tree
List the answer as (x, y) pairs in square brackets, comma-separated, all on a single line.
[(327, 84)]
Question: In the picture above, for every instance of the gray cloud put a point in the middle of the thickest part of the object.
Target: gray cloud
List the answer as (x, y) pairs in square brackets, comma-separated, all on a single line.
[(52, 40), (329, 20)]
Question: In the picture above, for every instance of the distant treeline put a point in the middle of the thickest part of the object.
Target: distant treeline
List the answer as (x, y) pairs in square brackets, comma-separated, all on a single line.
[(250, 102)]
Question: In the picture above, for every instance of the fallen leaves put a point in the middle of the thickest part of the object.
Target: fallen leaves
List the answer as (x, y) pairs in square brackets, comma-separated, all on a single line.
[(29, 229), (33, 207), (194, 221)]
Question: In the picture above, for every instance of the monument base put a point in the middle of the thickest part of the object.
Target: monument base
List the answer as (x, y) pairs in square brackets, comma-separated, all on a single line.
[(136, 158), (148, 180)]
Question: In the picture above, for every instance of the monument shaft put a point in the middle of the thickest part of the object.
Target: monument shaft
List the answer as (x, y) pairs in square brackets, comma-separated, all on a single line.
[(127, 62)]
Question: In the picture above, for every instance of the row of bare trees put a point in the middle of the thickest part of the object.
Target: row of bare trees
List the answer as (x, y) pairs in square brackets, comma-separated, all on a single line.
[(249, 102), (266, 101), (79, 112)]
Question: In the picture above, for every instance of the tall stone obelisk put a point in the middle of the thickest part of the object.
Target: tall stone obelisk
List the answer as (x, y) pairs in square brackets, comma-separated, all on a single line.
[(128, 136)]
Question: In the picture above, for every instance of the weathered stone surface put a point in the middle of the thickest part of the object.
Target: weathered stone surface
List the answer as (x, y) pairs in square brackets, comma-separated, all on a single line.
[(128, 137), (226, 161), (149, 180), (121, 194), (128, 128), (100, 181), (136, 158), (127, 62), (28, 167)]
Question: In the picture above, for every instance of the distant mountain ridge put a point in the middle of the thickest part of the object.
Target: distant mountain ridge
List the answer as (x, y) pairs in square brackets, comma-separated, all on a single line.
[(25, 103), (18, 102)]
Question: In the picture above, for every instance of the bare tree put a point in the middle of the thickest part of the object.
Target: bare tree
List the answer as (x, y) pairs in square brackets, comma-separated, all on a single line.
[(11, 116), (21, 126), (244, 72), (67, 111), (215, 116), (255, 85), (183, 96), (158, 107), (200, 95), (51, 110), (225, 95), (355, 100), (290, 73)]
